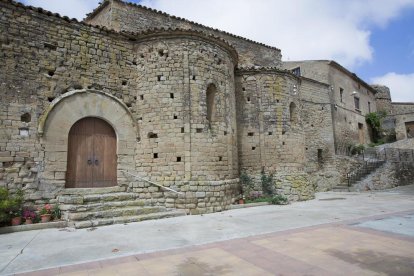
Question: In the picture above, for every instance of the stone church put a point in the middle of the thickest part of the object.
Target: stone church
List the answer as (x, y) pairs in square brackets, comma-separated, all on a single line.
[(135, 114)]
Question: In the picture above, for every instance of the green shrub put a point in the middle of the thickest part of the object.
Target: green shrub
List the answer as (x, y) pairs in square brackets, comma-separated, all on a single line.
[(374, 120), (279, 200), (358, 149), (10, 206), (247, 184), (56, 213), (267, 183)]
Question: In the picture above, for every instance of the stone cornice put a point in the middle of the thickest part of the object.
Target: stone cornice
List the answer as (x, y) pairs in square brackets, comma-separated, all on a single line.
[(157, 33), (264, 70)]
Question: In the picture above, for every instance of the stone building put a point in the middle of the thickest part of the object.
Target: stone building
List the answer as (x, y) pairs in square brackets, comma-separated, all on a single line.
[(400, 116), (134, 114), (350, 97), (87, 106)]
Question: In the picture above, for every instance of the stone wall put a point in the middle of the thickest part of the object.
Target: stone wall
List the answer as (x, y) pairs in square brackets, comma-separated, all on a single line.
[(403, 114), (383, 99), (150, 87), (135, 18), (313, 69), (319, 140), (345, 87), (401, 144), (400, 116), (390, 175), (350, 125), (270, 133)]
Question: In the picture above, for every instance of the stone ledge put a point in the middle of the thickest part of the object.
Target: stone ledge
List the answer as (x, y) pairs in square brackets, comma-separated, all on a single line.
[(35, 226), (248, 205)]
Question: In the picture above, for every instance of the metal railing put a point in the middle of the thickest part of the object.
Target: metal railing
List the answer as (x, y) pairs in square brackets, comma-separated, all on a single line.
[(153, 183), (374, 158), (364, 170), (396, 155)]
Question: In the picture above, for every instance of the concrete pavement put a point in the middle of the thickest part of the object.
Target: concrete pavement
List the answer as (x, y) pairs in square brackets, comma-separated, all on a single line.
[(356, 232)]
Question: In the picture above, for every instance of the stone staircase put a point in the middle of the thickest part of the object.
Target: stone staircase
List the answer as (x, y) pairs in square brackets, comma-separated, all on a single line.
[(371, 162), (343, 187), (90, 207)]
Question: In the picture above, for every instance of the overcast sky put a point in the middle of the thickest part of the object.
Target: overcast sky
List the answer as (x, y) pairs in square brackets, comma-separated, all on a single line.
[(373, 38)]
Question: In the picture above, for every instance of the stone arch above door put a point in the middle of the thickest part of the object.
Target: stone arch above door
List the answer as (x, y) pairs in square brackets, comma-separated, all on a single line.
[(83, 103), (66, 110)]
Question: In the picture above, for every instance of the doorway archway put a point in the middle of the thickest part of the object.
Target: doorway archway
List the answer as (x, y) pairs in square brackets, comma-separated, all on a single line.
[(92, 160)]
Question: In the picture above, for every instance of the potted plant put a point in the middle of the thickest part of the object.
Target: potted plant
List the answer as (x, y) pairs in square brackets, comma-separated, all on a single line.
[(10, 207), (241, 199), (28, 216), (45, 213), (56, 213), (16, 216)]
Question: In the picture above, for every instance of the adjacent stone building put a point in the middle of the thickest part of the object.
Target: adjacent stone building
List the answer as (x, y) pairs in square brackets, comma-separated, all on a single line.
[(350, 97), (400, 116), (135, 111)]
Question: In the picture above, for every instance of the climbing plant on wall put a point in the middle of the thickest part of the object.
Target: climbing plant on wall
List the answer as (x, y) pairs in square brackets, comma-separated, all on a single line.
[(374, 120)]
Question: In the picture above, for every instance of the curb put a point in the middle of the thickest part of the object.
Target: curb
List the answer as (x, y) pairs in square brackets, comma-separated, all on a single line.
[(248, 205), (36, 226)]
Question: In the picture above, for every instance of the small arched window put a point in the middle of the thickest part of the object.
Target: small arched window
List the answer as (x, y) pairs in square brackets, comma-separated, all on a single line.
[(210, 96), (293, 113)]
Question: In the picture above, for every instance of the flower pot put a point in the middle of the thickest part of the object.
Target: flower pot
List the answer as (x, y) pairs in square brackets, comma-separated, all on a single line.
[(28, 221), (45, 218), (16, 221), (241, 201)]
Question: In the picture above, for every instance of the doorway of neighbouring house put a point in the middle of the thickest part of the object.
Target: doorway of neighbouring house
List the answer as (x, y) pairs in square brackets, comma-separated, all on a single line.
[(409, 127), (361, 133), (92, 157)]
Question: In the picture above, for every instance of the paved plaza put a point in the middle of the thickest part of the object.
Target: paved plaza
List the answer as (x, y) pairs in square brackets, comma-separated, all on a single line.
[(368, 233)]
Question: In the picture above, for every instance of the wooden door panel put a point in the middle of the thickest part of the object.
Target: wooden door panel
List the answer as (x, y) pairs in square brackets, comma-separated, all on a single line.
[(80, 150), (105, 163), (91, 154)]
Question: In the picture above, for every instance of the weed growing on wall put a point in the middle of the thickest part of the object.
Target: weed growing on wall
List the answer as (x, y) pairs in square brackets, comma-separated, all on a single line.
[(267, 183), (374, 120), (247, 183)]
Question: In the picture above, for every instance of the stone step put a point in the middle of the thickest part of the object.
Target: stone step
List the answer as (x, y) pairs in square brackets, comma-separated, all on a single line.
[(127, 219), (109, 197), (340, 188), (88, 198), (112, 213), (101, 206), (89, 191)]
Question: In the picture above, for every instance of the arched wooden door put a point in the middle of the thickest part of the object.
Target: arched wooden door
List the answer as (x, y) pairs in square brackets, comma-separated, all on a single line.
[(91, 154)]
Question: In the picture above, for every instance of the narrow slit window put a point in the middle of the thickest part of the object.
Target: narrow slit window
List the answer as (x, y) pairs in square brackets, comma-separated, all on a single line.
[(210, 100), (293, 113), (320, 157)]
